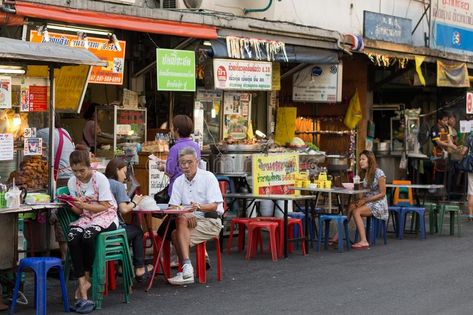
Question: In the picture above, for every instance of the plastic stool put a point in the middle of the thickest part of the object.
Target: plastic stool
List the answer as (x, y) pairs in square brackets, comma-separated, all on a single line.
[(395, 213), (454, 211), (421, 215), (40, 266), (242, 225), (375, 228), (301, 215), (201, 264), (254, 230), (294, 225), (342, 225), (433, 218)]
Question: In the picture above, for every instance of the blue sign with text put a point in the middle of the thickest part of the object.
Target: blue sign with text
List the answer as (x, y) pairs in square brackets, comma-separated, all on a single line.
[(387, 27), (453, 37)]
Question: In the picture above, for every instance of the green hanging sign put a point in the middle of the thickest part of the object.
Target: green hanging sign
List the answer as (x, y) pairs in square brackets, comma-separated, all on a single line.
[(175, 70)]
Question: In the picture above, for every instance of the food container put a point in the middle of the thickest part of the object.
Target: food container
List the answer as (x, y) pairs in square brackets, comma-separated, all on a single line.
[(337, 162)]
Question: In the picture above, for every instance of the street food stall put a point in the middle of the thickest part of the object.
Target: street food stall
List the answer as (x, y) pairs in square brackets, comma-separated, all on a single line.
[(24, 91)]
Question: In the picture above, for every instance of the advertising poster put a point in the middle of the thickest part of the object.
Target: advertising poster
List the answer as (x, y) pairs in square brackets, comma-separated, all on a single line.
[(242, 75), (274, 173), (29, 133), (5, 92), (6, 146), (24, 99), (103, 48), (175, 70), (33, 146), (236, 107), (38, 101)]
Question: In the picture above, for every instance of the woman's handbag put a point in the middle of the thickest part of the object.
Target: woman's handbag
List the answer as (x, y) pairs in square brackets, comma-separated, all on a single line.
[(466, 164)]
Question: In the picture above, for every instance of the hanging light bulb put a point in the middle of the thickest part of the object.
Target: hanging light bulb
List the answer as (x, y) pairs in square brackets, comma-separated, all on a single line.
[(16, 120)]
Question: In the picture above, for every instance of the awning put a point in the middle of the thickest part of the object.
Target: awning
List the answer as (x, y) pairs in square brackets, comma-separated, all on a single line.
[(299, 54), (114, 21), (14, 50), (10, 19)]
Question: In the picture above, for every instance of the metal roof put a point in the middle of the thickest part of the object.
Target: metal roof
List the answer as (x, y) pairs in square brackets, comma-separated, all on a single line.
[(16, 50)]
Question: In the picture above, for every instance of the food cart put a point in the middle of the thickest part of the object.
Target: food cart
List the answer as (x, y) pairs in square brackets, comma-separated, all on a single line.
[(61, 64)]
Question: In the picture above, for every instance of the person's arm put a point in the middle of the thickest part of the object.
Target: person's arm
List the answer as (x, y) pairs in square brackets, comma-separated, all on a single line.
[(446, 144), (94, 208), (380, 195), (125, 207), (205, 207)]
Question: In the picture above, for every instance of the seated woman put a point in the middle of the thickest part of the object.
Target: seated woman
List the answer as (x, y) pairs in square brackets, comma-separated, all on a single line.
[(116, 174), (374, 202), (95, 205)]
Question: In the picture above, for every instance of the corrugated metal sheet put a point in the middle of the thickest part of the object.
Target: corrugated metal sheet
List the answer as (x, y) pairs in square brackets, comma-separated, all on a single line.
[(14, 49)]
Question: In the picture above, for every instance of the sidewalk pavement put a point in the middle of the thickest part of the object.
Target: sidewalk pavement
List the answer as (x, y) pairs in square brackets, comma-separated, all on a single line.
[(411, 276)]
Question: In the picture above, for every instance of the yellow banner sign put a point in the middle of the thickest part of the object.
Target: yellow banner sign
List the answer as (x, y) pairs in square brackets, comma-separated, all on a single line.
[(452, 74), (100, 47), (274, 173), (285, 125)]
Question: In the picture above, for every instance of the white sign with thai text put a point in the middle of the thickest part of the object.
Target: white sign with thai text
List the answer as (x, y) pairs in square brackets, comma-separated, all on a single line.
[(158, 180), (242, 75), (6, 146), (318, 83)]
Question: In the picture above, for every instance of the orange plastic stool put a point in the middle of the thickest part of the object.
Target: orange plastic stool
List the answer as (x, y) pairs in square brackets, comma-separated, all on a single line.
[(399, 201), (254, 230)]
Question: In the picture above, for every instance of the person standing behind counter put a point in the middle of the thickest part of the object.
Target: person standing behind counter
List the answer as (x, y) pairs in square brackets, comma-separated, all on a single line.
[(63, 147), (182, 127), (91, 129)]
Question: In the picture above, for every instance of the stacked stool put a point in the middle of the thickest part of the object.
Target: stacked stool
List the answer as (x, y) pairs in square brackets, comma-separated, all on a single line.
[(455, 212)]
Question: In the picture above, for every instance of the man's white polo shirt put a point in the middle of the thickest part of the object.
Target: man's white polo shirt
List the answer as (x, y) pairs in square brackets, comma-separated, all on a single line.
[(203, 188)]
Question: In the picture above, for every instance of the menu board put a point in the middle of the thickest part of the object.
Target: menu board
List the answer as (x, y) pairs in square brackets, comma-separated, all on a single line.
[(158, 180), (274, 173), (6, 146)]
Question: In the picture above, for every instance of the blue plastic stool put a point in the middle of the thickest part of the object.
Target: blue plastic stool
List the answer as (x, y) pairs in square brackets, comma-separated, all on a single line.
[(342, 225), (376, 227), (421, 215), (395, 212), (40, 266), (301, 215)]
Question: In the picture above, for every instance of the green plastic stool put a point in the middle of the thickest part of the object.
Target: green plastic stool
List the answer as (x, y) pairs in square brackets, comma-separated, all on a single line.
[(455, 212), (111, 246), (433, 210)]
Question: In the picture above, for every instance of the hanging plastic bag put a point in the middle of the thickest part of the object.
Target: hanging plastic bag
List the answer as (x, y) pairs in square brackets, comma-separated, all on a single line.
[(403, 162), (353, 114)]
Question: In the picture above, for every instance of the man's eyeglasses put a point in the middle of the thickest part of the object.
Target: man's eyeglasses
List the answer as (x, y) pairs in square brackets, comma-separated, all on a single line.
[(185, 162)]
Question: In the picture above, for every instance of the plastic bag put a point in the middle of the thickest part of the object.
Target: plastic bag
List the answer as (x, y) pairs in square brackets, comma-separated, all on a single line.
[(353, 114)]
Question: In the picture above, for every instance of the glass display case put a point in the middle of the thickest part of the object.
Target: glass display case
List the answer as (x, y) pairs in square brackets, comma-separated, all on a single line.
[(123, 130)]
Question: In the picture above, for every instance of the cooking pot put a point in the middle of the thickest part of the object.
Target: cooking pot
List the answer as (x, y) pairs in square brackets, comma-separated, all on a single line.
[(336, 162)]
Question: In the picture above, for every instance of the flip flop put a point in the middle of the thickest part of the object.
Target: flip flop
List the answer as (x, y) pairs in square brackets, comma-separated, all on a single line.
[(86, 307), (145, 276), (359, 246)]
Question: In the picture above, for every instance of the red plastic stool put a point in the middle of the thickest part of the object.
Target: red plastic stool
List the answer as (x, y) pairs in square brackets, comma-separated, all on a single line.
[(291, 223), (254, 234), (166, 256), (242, 225), (200, 261), (110, 281)]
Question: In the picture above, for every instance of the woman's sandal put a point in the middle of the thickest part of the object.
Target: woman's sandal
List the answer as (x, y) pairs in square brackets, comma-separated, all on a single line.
[(145, 276)]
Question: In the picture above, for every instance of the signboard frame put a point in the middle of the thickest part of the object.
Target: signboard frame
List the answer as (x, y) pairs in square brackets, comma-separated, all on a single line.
[(242, 75)]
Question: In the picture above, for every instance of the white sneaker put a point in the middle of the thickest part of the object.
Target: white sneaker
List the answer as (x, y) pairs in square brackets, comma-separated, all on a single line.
[(187, 271), (179, 280)]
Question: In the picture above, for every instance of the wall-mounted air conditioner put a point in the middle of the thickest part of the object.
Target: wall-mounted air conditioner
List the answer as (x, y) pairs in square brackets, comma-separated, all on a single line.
[(181, 4)]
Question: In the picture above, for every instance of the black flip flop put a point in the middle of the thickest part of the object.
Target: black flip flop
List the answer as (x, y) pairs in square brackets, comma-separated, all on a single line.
[(144, 277)]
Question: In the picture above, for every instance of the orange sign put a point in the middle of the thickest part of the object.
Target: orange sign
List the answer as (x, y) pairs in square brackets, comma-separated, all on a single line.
[(100, 47)]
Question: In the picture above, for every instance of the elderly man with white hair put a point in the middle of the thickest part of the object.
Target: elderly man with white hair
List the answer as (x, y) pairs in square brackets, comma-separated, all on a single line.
[(198, 189)]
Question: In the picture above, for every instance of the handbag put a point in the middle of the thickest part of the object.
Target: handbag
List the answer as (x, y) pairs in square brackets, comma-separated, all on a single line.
[(466, 164)]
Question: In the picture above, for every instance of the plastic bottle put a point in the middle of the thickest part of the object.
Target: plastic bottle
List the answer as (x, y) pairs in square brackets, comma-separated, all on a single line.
[(356, 182)]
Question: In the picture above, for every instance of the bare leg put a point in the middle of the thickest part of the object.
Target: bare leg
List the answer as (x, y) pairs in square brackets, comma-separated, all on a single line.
[(183, 237), (63, 249), (470, 205), (84, 286), (358, 215)]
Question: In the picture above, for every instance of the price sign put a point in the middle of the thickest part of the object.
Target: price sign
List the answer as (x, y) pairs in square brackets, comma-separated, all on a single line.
[(469, 102)]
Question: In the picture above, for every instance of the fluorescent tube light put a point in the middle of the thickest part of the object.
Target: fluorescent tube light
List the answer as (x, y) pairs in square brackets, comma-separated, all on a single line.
[(12, 69), (76, 29)]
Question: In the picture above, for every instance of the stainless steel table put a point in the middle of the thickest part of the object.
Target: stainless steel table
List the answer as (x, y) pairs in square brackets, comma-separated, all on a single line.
[(330, 191)]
